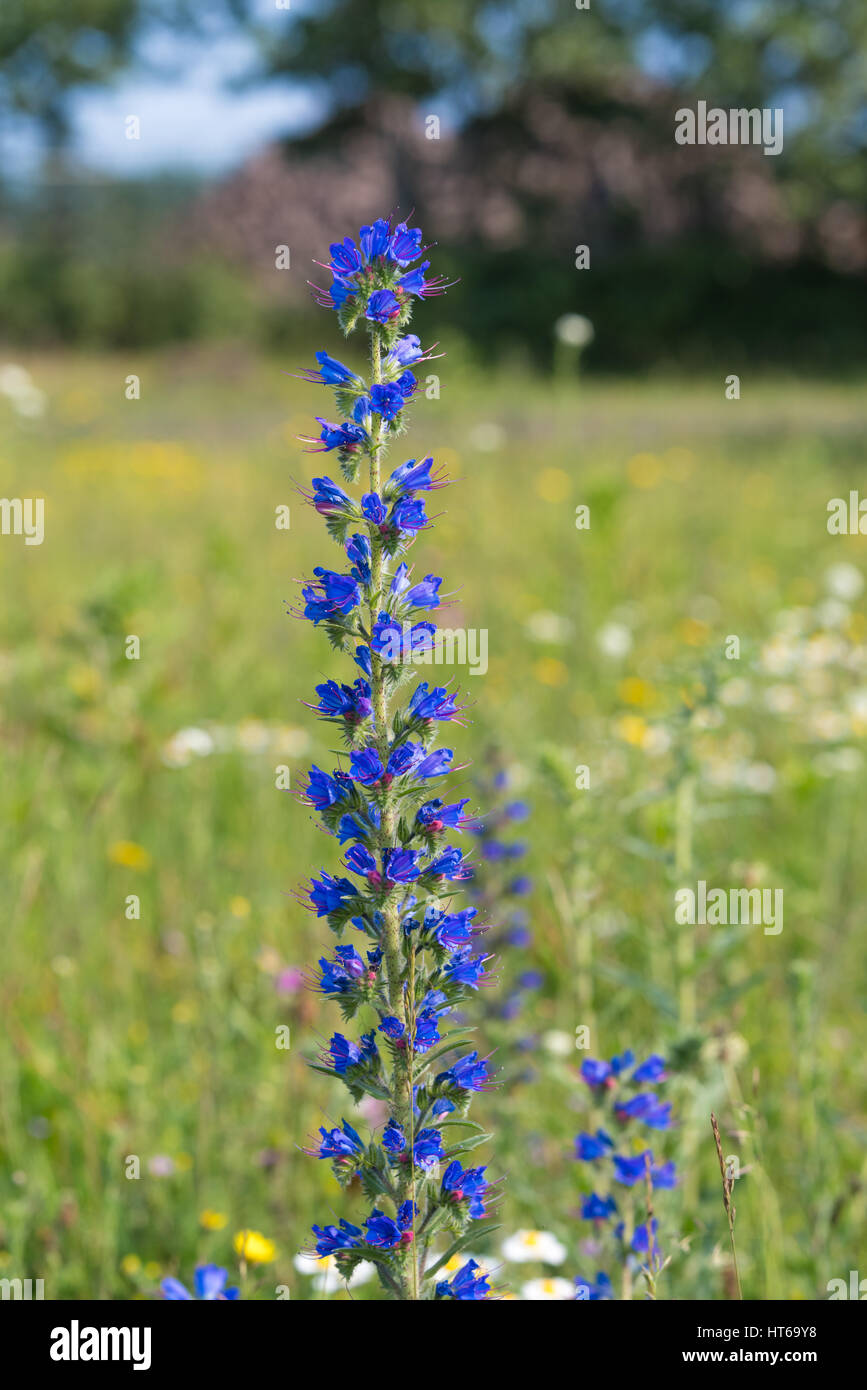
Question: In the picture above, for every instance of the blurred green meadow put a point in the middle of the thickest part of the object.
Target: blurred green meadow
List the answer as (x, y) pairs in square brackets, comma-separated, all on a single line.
[(154, 1036)]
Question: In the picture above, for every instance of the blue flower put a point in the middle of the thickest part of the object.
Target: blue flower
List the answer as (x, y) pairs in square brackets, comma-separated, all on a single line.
[(435, 764), (467, 1185), (427, 1150), (393, 1138), (590, 1292), (359, 552), (346, 436), (351, 828), (342, 974), (466, 969), (595, 1073), (648, 1108), (404, 244), (350, 702), (332, 1239), (452, 929), (392, 1028), (331, 372), (594, 1208), (389, 399), (465, 1285), (651, 1070), (412, 477), (468, 1074), (405, 352), (438, 703), (404, 758), (382, 307), (361, 860), (383, 1232), (397, 642), (345, 257), (375, 239), (434, 816), (343, 1053), (426, 1031), (333, 594), (365, 766), (414, 282), (425, 594), (340, 1144), (643, 1241), (399, 865), (664, 1175), (328, 498), (629, 1171), (408, 515), (209, 1285), (622, 1063), (448, 865), (590, 1147), (330, 893), (322, 791)]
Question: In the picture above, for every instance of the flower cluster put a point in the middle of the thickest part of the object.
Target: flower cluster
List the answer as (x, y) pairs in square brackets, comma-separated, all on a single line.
[(498, 886), (405, 956), (621, 1101)]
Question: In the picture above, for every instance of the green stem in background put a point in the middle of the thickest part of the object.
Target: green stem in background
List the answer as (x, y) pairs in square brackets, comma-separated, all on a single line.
[(728, 1183), (401, 1081), (684, 814)]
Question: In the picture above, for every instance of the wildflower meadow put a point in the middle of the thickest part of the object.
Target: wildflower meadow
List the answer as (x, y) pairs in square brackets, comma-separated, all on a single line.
[(309, 845)]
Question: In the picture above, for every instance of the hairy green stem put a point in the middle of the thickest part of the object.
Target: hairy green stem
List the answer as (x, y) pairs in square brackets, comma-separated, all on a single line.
[(401, 1080)]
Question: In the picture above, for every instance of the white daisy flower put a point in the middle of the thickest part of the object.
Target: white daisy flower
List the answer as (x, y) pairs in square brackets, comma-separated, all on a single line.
[(552, 1290), (533, 1245)]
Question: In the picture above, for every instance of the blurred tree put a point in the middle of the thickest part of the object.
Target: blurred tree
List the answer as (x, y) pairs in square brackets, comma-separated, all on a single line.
[(808, 55), (50, 47)]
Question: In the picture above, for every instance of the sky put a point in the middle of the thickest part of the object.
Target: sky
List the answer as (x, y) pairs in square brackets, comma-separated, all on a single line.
[(190, 120)]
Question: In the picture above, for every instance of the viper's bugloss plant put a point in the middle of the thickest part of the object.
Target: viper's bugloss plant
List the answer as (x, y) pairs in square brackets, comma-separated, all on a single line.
[(498, 888), (622, 1101), (405, 955)]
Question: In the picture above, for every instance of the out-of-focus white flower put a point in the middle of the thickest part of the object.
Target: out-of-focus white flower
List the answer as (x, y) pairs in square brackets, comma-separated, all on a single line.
[(574, 330), (187, 744), (656, 741), (558, 1043), (833, 612), (707, 717), (18, 386), (858, 705), (760, 778), (251, 736), (794, 620), (824, 649), (818, 683), (829, 724), (527, 1245), (487, 437), (614, 640), (737, 691), (835, 760), (782, 699), (548, 627), (844, 581), (780, 656), (552, 1290)]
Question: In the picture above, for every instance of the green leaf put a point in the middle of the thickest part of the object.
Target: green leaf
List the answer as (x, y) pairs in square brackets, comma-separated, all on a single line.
[(478, 1229)]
